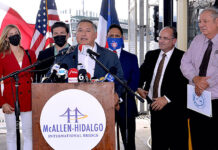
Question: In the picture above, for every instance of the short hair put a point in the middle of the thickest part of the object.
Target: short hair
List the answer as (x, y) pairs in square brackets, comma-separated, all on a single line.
[(173, 29), (89, 21), (59, 24), (115, 26), (213, 10)]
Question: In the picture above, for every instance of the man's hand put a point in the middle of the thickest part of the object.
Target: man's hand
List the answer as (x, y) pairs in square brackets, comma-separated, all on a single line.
[(6, 108), (142, 92), (201, 84), (116, 101), (159, 103)]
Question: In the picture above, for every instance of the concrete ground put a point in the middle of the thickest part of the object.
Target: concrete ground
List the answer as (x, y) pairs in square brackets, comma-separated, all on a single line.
[(142, 134)]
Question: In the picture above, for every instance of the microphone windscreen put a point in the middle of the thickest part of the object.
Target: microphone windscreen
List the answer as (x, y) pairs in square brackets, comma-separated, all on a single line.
[(89, 76), (102, 79), (73, 75), (55, 67), (82, 75), (94, 79), (109, 78), (62, 73)]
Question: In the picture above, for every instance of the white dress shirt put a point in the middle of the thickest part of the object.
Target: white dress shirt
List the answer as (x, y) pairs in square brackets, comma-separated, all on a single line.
[(167, 58), (118, 51), (84, 58)]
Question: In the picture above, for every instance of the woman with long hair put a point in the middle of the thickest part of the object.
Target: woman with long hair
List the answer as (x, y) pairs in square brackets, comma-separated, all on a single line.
[(13, 57)]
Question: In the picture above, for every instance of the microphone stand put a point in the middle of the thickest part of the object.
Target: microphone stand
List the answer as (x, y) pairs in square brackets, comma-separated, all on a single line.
[(128, 89), (118, 79), (17, 106), (17, 112)]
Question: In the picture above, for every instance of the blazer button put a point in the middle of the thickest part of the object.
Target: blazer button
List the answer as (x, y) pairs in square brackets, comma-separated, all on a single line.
[(27, 82), (20, 92), (29, 91)]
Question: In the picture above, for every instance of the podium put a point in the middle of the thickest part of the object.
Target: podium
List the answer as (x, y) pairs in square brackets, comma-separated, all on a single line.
[(102, 91)]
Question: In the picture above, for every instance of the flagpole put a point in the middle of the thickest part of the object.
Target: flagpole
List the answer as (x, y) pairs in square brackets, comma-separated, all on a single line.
[(48, 27)]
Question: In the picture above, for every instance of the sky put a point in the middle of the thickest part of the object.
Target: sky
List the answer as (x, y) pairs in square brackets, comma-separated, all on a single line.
[(28, 8)]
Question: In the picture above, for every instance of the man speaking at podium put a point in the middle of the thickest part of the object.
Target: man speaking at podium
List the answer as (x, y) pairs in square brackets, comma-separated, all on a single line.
[(86, 34)]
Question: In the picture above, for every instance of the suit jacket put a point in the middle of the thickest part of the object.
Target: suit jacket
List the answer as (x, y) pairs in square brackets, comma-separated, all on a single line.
[(174, 84), (9, 64), (107, 58), (130, 68), (43, 68)]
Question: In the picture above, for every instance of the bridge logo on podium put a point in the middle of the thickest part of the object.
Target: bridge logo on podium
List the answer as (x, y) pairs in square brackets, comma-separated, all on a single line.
[(76, 114), (71, 118)]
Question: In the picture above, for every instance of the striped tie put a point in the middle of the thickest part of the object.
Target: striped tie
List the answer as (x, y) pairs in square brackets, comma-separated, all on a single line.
[(157, 77)]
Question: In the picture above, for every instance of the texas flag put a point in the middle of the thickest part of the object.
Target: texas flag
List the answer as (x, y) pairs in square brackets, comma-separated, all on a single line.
[(10, 16), (108, 16)]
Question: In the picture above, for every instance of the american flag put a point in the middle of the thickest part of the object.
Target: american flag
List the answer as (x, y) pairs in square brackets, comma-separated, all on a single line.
[(46, 17)]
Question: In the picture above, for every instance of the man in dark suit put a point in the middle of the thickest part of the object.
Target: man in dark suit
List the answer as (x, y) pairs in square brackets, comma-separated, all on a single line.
[(60, 34), (166, 86), (86, 34), (130, 68)]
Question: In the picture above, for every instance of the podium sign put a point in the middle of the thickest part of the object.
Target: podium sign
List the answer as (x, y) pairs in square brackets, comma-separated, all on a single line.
[(70, 116)]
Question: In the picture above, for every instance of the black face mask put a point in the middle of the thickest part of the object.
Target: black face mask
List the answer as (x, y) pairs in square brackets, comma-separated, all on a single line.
[(60, 40), (15, 39)]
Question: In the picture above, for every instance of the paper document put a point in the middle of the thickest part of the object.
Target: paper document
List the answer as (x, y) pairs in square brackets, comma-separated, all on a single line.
[(201, 104)]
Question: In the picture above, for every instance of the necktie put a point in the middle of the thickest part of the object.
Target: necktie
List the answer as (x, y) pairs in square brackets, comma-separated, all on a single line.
[(205, 60), (157, 77)]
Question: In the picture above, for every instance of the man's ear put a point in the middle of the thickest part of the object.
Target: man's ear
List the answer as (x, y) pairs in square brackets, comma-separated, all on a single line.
[(216, 21)]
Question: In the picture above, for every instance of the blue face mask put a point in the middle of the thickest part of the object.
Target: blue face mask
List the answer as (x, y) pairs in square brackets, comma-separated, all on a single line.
[(115, 43)]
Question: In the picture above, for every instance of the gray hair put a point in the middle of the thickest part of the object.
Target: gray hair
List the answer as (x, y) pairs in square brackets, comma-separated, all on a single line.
[(213, 10)]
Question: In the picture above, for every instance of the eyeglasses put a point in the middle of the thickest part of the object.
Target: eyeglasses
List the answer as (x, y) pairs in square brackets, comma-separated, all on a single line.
[(164, 38)]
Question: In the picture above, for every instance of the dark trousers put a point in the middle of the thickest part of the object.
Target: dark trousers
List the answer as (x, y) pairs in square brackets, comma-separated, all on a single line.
[(131, 131), (169, 130), (204, 130)]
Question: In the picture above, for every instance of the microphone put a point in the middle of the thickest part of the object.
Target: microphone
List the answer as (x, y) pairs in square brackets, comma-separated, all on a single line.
[(53, 76), (102, 79), (82, 76), (73, 75), (62, 73), (94, 79), (89, 77), (87, 49), (109, 76), (91, 52)]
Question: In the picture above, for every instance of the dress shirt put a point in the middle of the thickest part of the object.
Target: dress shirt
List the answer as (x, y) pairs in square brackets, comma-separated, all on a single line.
[(87, 62), (118, 51), (167, 58), (192, 59)]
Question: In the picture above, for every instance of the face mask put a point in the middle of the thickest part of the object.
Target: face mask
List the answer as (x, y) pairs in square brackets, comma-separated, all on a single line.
[(60, 40), (115, 43), (15, 39)]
